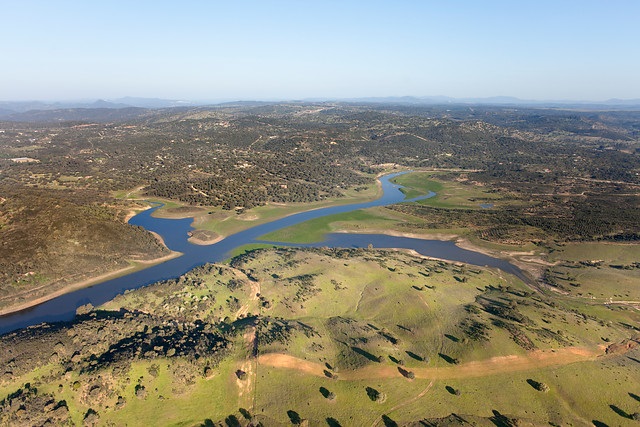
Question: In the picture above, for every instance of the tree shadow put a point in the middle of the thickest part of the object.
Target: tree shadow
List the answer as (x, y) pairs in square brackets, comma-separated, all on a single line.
[(324, 392), (449, 359), (332, 422), (294, 417), (405, 373), (635, 396), (537, 385), (452, 390), (597, 423), (232, 421), (620, 411), (501, 420), (388, 422), (246, 414), (452, 338), (366, 354), (372, 393), (208, 423), (412, 355), (393, 340)]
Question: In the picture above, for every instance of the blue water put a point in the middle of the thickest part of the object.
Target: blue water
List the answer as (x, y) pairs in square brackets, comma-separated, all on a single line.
[(175, 234)]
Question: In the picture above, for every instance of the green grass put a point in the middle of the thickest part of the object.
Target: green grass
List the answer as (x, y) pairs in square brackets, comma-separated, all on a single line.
[(610, 253), (315, 229), (226, 223), (248, 248), (350, 407), (418, 184), (204, 399), (361, 298), (601, 281), (370, 290), (449, 194)]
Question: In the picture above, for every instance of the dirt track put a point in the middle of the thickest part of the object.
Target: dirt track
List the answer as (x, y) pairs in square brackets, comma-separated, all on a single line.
[(495, 365)]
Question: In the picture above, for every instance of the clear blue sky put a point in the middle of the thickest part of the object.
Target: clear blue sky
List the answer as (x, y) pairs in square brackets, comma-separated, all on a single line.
[(208, 50)]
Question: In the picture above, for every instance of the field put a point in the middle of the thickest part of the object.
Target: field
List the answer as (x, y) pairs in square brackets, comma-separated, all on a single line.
[(333, 337), (449, 193)]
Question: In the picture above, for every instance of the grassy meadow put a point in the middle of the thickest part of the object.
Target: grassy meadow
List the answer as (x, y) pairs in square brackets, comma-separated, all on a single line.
[(361, 337)]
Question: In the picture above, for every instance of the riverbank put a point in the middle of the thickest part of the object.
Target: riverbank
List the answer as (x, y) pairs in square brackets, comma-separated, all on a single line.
[(204, 237), (527, 261), (72, 287), (224, 223), (195, 255)]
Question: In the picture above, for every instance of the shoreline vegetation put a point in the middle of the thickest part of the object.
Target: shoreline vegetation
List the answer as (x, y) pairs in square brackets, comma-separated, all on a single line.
[(529, 262), (204, 237), (135, 266), (283, 334), (200, 237), (280, 315)]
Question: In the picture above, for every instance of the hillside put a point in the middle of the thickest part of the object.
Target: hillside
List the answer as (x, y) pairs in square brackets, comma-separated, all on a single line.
[(54, 239), (338, 337), (552, 175)]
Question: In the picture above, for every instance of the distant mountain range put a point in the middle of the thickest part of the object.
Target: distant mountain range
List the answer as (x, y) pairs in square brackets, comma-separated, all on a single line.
[(129, 107), (8, 107), (495, 100)]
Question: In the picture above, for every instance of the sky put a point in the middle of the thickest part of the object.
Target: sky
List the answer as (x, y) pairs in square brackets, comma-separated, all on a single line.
[(258, 50)]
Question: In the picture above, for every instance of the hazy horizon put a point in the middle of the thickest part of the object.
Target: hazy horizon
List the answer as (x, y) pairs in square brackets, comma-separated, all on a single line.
[(430, 98), (287, 50)]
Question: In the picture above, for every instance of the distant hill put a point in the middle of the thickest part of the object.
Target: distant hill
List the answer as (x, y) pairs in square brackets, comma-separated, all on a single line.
[(494, 100), (152, 102), (9, 107), (77, 115), (125, 108)]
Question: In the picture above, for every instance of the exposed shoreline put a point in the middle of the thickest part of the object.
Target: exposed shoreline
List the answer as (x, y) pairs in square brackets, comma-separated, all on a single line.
[(139, 265), (87, 283), (532, 266), (204, 237)]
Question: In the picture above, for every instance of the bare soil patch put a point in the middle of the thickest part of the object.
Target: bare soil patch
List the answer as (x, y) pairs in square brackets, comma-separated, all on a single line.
[(495, 365)]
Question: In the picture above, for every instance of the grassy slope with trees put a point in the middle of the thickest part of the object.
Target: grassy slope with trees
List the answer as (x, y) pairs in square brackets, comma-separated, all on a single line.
[(561, 183), (279, 335), (573, 175)]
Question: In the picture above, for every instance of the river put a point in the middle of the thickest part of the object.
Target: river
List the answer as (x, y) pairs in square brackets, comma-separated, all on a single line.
[(175, 235)]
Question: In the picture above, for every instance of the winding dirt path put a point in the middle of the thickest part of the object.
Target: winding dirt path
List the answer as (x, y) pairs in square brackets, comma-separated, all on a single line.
[(481, 368), (254, 291), (246, 386)]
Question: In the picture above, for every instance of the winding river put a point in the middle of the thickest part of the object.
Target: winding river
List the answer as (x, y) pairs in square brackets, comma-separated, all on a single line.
[(175, 234)]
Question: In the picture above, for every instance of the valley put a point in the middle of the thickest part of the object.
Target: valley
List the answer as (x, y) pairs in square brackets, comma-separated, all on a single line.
[(274, 315)]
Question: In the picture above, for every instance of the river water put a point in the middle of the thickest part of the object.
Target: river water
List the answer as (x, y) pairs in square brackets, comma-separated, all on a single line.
[(175, 234)]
